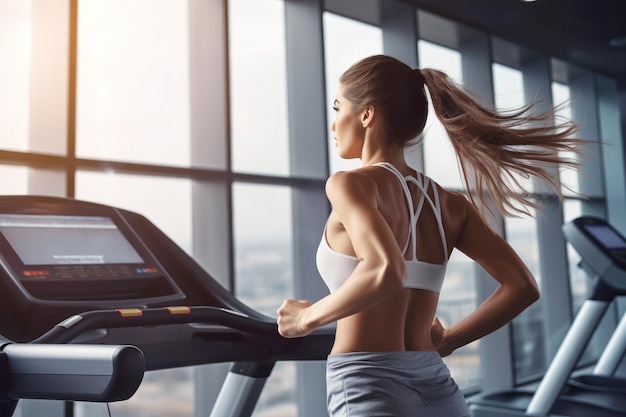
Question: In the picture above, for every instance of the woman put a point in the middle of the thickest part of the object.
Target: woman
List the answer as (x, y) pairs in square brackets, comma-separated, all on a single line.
[(391, 231)]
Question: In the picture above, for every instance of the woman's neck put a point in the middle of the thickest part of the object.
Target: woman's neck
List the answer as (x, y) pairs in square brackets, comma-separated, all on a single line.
[(378, 148), (395, 157)]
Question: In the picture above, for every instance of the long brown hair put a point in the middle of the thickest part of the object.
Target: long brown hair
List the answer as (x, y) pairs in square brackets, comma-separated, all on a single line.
[(493, 148)]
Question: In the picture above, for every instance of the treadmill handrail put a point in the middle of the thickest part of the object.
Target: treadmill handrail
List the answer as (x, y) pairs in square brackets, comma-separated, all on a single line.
[(98, 373), (73, 326)]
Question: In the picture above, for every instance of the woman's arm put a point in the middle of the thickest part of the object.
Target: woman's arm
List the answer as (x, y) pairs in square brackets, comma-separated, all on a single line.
[(381, 269), (517, 289)]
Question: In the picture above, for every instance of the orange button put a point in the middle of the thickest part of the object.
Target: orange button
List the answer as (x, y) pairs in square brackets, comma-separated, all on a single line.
[(179, 310), (130, 312)]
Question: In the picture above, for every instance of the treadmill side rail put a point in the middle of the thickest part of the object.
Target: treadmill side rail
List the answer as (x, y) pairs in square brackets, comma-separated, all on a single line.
[(612, 355), (566, 357), (238, 396)]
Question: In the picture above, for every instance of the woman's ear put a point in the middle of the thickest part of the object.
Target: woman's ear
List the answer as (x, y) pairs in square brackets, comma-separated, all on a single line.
[(367, 116)]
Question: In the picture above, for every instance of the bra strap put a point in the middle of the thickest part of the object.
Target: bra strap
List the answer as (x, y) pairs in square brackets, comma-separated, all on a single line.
[(414, 216), (409, 200)]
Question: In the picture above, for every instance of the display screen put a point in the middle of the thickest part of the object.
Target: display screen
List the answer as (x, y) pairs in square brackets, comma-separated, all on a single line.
[(67, 240), (606, 236)]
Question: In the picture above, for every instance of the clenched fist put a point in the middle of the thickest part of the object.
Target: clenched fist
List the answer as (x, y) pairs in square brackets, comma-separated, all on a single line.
[(291, 318)]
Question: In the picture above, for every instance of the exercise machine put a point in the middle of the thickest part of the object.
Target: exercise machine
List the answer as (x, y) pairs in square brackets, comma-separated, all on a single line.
[(67, 372), (77, 275), (600, 394)]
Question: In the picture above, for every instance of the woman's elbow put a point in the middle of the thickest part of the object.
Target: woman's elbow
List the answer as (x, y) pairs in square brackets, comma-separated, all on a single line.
[(530, 292), (392, 276)]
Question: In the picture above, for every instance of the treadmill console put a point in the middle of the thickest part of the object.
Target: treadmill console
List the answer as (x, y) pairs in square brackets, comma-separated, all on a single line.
[(602, 249), (64, 255)]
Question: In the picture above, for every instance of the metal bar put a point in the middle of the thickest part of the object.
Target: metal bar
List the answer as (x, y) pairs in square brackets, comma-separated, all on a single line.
[(566, 357)]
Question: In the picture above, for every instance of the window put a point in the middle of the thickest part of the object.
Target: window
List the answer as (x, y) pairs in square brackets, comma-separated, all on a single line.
[(166, 202), (133, 85), (508, 87), (29, 180), (264, 273), (560, 98), (521, 233), (440, 161), (345, 42), (15, 36), (162, 393), (528, 329), (33, 76), (579, 282), (263, 245), (457, 301), (258, 87), (18, 183)]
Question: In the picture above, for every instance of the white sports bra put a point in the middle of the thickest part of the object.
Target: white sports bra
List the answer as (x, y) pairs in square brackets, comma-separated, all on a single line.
[(335, 267)]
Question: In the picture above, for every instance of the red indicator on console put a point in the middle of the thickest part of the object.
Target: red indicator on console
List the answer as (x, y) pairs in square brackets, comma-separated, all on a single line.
[(36, 273)]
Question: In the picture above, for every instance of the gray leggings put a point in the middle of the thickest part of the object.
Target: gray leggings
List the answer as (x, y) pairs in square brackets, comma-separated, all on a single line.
[(392, 384)]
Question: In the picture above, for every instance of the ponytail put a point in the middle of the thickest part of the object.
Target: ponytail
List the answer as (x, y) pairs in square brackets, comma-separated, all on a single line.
[(492, 147)]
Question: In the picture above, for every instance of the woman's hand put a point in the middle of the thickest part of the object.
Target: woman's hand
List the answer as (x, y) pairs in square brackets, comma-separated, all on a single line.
[(438, 334), (291, 318)]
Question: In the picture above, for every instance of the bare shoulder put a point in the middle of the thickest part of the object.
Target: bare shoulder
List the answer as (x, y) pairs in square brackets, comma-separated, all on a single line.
[(455, 210), (455, 198), (454, 203), (357, 184)]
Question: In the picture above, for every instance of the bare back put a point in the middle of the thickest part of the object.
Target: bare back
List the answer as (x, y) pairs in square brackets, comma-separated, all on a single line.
[(401, 321)]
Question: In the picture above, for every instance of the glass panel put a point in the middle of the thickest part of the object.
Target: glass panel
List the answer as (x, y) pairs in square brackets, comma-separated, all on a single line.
[(36, 181), (440, 162), (457, 301), (166, 202), (560, 97), (258, 86), (528, 334), (161, 393), (263, 245), (264, 272), (345, 42), (15, 42), (579, 281), (133, 84), (508, 87), (278, 398), (19, 180), (521, 233)]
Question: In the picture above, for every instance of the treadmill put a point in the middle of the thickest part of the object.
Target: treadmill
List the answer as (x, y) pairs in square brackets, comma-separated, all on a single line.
[(67, 372), (82, 276), (600, 394)]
